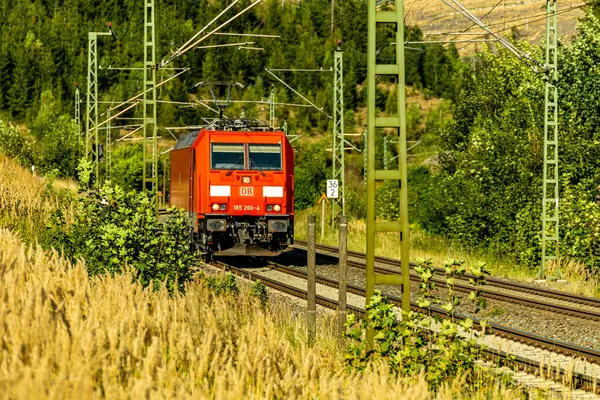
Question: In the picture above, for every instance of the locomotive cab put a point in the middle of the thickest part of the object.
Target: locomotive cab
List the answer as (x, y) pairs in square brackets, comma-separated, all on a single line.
[(238, 188)]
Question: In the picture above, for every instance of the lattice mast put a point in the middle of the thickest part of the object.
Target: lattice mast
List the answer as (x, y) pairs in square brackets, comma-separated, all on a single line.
[(399, 123), (108, 151), (91, 120), (150, 129), (338, 206), (92, 143), (550, 199)]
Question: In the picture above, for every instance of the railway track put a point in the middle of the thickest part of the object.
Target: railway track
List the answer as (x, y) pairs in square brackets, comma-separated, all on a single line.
[(529, 352), (497, 289)]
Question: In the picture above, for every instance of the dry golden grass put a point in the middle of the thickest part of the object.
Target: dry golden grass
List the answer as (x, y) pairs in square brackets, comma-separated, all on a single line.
[(424, 246), (64, 335), (26, 204)]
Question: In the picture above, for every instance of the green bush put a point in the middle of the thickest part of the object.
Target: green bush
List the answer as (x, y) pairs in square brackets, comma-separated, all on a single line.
[(409, 346), (114, 230)]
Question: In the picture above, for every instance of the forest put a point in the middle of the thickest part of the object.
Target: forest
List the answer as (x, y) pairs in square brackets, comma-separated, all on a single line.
[(480, 185)]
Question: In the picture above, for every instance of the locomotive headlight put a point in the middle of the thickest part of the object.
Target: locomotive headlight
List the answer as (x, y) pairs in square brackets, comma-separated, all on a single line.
[(215, 207), (277, 208), (246, 179), (216, 225), (280, 226), (223, 207), (269, 208)]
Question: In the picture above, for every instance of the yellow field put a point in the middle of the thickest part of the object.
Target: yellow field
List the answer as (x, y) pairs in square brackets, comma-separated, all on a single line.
[(64, 335)]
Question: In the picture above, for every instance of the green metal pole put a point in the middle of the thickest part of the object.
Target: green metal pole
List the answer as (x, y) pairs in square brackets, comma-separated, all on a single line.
[(91, 125), (365, 147), (398, 122), (338, 164), (108, 151), (272, 109), (150, 179), (370, 144), (550, 199)]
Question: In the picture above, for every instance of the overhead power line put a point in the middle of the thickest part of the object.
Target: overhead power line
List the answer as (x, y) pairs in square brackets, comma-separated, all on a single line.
[(190, 44), (298, 93)]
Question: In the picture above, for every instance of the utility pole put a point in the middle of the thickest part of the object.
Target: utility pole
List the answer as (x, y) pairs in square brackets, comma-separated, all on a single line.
[(311, 281), (92, 144), (338, 164), (399, 123), (150, 178), (550, 215), (91, 120), (272, 109), (332, 16), (365, 159), (108, 151)]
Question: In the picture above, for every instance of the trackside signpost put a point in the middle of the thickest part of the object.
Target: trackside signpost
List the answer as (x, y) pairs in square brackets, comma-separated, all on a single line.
[(333, 189), (322, 202)]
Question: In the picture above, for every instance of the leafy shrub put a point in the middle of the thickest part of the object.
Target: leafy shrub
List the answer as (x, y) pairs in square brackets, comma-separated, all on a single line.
[(259, 291), (409, 345), (114, 230), (222, 285)]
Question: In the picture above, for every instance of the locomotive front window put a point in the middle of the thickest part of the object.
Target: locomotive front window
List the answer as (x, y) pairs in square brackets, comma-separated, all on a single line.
[(264, 157), (227, 156)]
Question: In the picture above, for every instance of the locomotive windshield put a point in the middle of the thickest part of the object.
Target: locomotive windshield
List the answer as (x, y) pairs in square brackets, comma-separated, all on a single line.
[(264, 157), (227, 156)]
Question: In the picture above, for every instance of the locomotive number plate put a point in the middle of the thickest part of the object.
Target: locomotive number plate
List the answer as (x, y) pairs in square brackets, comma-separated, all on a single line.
[(246, 191), (245, 207)]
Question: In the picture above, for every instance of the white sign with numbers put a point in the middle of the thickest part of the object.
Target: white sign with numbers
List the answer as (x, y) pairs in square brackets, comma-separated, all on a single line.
[(332, 189)]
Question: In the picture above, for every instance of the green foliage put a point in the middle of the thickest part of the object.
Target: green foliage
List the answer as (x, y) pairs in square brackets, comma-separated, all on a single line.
[(310, 173), (55, 153), (412, 345), (15, 145), (486, 189), (259, 291), (222, 285), (114, 230), (127, 166)]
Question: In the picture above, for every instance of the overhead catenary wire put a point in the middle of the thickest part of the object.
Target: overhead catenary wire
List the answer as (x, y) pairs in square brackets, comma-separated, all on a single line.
[(298, 93), (187, 47), (516, 51), (132, 100), (177, 53), (542, 16), (257, 35)]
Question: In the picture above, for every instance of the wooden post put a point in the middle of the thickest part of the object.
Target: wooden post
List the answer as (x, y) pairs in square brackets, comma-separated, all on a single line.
[(312, 284), (343, 278), (322, 221), (165, 183)]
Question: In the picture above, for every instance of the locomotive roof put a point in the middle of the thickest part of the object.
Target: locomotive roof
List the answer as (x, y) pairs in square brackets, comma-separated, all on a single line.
[(189, 139)]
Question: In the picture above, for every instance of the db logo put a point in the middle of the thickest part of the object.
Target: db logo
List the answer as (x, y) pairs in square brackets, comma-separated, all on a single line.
[(246, 191)]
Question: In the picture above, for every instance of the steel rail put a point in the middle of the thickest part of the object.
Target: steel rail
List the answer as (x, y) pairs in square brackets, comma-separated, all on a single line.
[(493, 281), (557, 346), (584, 381)]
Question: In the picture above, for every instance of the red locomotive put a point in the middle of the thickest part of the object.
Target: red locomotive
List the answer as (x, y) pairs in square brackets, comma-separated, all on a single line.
[(238, 188)]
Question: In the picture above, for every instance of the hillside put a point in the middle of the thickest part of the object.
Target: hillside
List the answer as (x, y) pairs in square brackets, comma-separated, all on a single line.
[(527, 17)]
